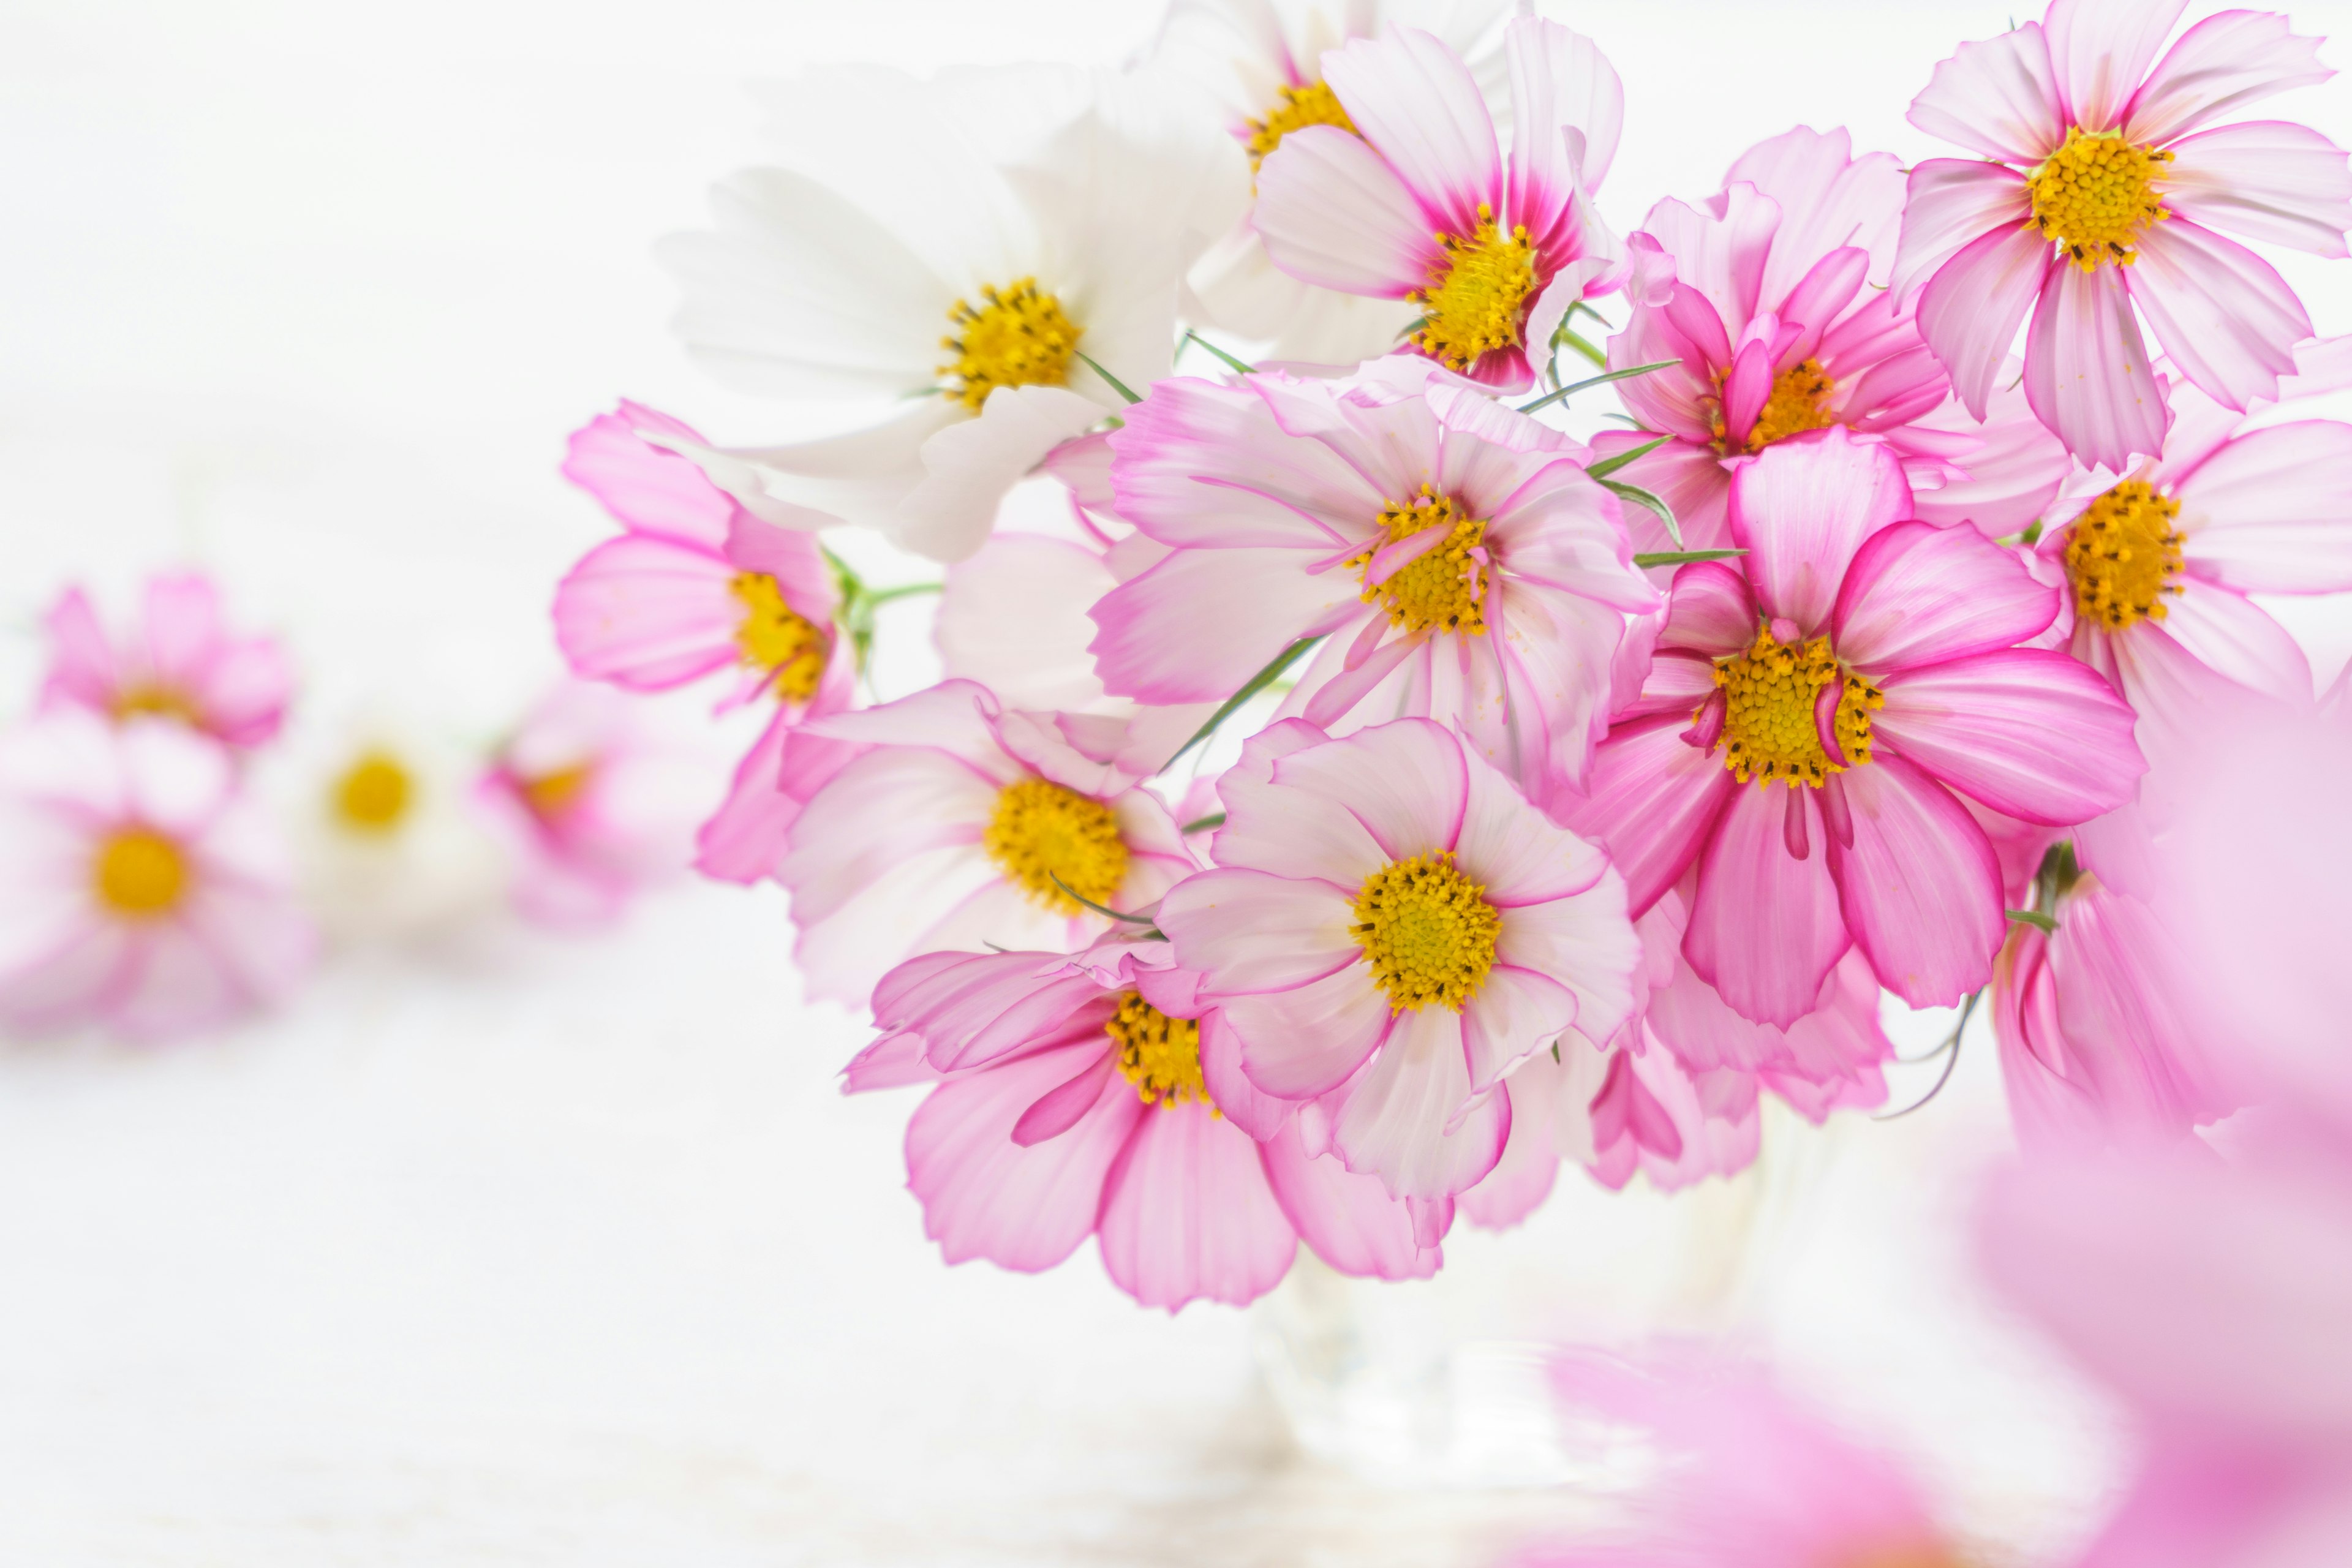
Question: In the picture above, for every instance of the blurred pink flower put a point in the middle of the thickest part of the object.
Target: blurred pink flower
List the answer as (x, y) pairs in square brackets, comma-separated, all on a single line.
[(2090, 205), (140, 887), (1415, 200), (1391, 928), (180, 663), (1872, 666)]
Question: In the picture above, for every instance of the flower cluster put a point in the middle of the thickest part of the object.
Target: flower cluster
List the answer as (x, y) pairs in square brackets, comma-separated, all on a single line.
[(1356, 784)]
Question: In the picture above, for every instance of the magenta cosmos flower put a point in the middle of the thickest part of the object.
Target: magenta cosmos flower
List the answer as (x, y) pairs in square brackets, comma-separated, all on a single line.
[(1461, 564), (181, 663), (143, 889), (1807, 720), (1413, 198), (2098, 208), (1088, 1095), (1776, 323), (1391, 928)]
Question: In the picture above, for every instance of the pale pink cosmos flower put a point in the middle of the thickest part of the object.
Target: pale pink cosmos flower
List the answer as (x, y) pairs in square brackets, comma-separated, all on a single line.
[(1417, 200), (1870, 665), (181, 662), (1459, 560), (960, 824), (1090, 1095), (1391, 928), (2104, 181), (1777, 321), (140, 888)]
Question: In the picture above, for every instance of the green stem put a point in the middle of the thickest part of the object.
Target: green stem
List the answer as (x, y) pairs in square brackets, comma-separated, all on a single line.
[(1257, 683), (1245, 368), (1116, 384), (1680, 557), (1214, 819)]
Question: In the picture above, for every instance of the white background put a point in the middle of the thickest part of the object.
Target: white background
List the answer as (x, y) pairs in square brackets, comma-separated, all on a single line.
[(570, 1252)]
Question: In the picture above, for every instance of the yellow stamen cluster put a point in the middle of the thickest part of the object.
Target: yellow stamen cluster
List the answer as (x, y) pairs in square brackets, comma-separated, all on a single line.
[(1041, 831), (157, 702), (772, 638), (1768, 723), (1018, 337), (2095, 194), (140, 874), (1477, 293), (1427, 931), (2123, 554), (374, 795), (1800, 401), (1296, 107), (549, 795), (1442, 588), (1159, 1055)]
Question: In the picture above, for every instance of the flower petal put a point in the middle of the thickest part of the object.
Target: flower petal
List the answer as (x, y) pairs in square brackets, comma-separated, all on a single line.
[(1969, 310), (1560, 81), (1304, 1042), (649, 488), (1201, 463), (1765, 928), (1245, 932), (1920, 885), (1803, 509), (2086, 370), (648, 613), (2100, 49), (2266, 512), (1331, 212), (1919, 595), (1417, 104), (1514, 1014), (2237, 639), (2266, 179), (1997, 97), (1710, 609), (1349, 1220), (1198, 626), (2028, 731), (2223, 63), (1407, 782), (1412, 1120), (1189, 1216), (1516, 852), (1652, 802), (969, 465), (1952, 204), (1587, 944), (2222, 313)]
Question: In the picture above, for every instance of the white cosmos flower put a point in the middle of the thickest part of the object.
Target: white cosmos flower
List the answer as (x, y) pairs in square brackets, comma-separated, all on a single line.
[(944, 257)]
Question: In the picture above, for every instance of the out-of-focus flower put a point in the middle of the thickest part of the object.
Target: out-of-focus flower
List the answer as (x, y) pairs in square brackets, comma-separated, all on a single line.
[(1025, 221), (592, 805), (1778, 322), (140, 888), (1391, 928), (1872, 666), (1088, 1095), (1415, 200), (180, 663), (1260, 62), (2094, 206), (1463, 564), (962, 824)]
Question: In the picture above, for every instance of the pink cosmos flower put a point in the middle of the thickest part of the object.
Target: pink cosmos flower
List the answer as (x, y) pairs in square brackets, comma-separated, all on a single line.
[(1415, 200), (2099, 207), (1088, 1095), (1870, 665), (1777, 321), (961, 824), (1458, 557), (181, 663), (592, 808), (144, 890), (1391, 928)]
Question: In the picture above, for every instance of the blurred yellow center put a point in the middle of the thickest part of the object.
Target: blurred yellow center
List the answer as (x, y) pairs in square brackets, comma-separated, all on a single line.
[(1159, 1055), (2097, 194), (1427, 931), (1018, 337), (1443, 587), (1768, 723), (549, 795), (1296, 108), (374, 795), (1799, 402), (140, 874), (1041, 832), (158, 701), (2123, 554), (773, 638), (1477, 293)]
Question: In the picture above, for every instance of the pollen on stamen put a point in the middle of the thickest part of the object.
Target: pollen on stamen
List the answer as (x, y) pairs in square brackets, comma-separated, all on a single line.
[(1768, 730), (1019, 336), (1477, 294), (1799, 401), (2097, 194), (1159, 1055), (1444, 587), (1296, 105), (2124, 556), (140, 874), (773, 638), (1053, 843), (1427, 931)]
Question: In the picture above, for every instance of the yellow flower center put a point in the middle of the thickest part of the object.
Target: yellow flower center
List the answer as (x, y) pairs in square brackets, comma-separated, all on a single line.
[(374, 795), (1427, 931), (1041, 832), (1477, 293), (1159, 1055), (1799, 402), (160, 702), (1294, 108), (2095, 194), (1018, 337), (549, 795), (2122, 555), (1443, 586), (773, 638), (1768, 723), (140, 874)]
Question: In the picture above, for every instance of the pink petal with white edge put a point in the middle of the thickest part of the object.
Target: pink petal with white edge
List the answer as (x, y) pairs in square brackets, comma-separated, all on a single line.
[(1198, 626), (1653, 802), (1920, 595), (1711, 610), (1720, 257), (1331, 212), (1245, 932), (1407, 782), (648, 488), (648, 613), (1199, 463), (1418, 105), (1970, 311), (2236, 638), (983, 1195), (2028, 733), (1516, 1013), (2086, 370), (1272, 828), (880, 809), (1414, 1120), (1304, 1042), (1920, 885), (2266, 512), (2266, 180), (1765, 928), (1827, 196), (2220, 65), (1349, 1220), (1560, 81), (1516, 852), (2014, 470), (2100, 50), (1998, 96), (2224, 314), (1952, 204), (1188, 1214), (1803, 509), (1588, 944)]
